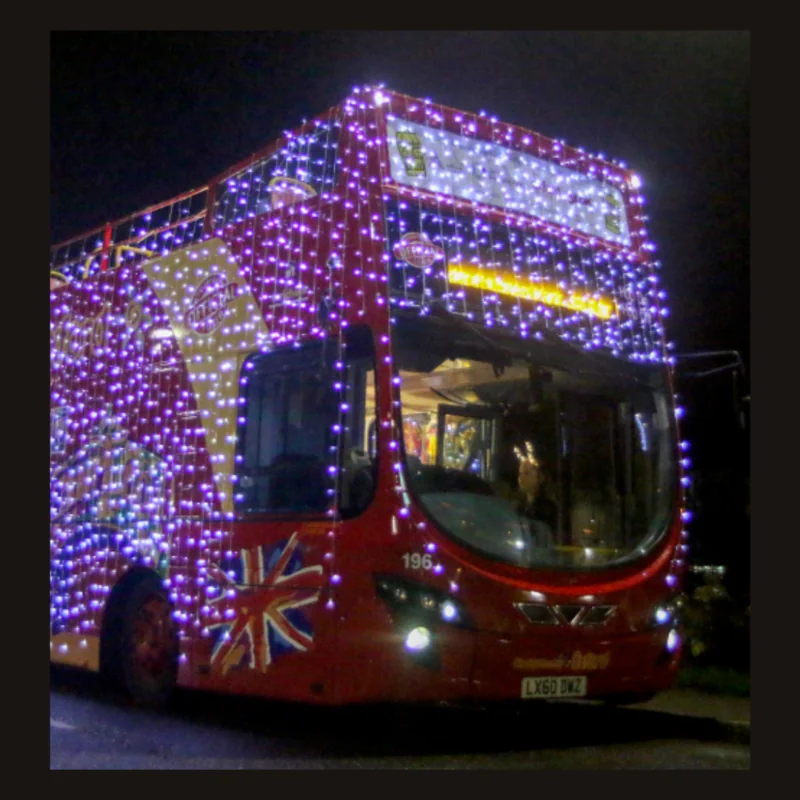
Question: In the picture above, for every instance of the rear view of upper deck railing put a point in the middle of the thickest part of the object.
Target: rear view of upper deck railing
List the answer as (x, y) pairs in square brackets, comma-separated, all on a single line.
[(155, 230), (307, 153)]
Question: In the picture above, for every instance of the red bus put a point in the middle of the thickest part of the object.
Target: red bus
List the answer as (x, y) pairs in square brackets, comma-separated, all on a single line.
[(381, 413)]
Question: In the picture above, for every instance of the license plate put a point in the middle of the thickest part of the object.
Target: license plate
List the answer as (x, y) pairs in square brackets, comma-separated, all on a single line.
[(559, 686)]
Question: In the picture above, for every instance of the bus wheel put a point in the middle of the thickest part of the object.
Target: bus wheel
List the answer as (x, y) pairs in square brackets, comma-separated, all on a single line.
[(146, 643)]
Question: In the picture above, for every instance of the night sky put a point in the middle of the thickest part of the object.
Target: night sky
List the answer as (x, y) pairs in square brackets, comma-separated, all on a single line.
[(139, 117)]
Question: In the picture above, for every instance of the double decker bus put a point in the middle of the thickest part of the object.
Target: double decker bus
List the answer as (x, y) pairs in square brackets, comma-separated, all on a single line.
[(381, 413)]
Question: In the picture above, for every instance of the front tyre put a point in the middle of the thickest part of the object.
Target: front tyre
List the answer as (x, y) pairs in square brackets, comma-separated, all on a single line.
[(145, 644)]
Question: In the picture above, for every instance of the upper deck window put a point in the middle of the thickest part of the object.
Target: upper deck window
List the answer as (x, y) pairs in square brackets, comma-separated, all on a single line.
[(305, 167)]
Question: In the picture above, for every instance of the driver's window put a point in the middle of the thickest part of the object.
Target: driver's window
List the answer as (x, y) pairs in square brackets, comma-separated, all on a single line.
[(303, 429), (287, 433)]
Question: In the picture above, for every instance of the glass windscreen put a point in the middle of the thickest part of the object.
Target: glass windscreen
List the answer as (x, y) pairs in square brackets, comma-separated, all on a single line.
[(529, 464)]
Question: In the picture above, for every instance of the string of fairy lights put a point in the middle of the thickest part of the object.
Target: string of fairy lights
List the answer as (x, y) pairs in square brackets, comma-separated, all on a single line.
[(316, 224)]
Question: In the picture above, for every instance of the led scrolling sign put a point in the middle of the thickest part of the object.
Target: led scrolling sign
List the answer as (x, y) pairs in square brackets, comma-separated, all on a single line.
[(512, 286)]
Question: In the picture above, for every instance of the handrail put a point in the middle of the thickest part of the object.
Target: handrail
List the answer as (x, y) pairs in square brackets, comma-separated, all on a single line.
[(208, 187), (149, 209)]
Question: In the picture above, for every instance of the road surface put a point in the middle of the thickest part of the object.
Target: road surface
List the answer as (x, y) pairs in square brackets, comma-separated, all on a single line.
[(92, 729)]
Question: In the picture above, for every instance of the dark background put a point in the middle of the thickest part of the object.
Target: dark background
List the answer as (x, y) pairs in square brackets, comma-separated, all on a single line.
[(139, 117)]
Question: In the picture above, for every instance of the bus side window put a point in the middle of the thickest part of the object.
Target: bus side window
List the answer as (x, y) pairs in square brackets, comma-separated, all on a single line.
[(286, 444), (294, 421)]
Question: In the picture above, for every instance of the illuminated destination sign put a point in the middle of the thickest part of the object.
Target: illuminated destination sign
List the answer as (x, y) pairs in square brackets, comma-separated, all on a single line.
[(510, 285), (487, 173)]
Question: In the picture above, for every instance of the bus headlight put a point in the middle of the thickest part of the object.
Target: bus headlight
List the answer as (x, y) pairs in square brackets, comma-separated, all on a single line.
[(662, 615), (449, 611), (412, 601), (418, 639), (673, 641), (665, 614)]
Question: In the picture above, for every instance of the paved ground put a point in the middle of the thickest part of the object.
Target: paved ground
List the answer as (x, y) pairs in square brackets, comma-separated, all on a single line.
[(733, 711), (90, 729)]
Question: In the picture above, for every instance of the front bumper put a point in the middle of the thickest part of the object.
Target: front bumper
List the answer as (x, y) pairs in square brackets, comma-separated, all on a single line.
[(614, 665)]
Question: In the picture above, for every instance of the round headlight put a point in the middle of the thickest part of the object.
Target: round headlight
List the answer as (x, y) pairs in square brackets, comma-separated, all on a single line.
[(418, 639), (662, 615), (673, 640), (449, 611)]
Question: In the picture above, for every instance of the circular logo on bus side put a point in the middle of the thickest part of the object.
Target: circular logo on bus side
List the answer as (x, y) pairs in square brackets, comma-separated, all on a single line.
[(418, 250), (210, 300)]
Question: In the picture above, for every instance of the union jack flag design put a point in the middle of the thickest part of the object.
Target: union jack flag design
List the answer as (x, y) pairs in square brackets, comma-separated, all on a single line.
[(272, 587)]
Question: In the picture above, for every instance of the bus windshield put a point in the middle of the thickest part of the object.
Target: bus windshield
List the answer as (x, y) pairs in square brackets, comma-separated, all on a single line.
[(532, 463)]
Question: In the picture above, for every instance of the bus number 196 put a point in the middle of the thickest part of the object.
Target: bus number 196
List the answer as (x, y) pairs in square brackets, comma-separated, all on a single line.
[(417, 561)]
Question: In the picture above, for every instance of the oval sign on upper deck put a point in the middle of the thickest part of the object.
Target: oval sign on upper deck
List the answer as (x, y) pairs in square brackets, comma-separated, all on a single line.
[(418, 250)]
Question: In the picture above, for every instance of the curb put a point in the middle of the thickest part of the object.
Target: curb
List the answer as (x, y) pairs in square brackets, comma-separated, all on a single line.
[(712, 728)]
